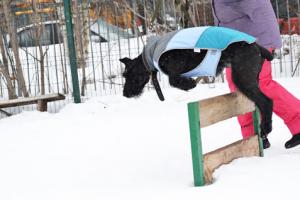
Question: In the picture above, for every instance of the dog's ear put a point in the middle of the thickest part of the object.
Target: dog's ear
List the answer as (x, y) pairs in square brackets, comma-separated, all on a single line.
[(125, 60)]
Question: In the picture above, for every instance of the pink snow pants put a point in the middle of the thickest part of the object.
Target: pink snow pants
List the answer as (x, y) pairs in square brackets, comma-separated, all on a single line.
[(285, 105)]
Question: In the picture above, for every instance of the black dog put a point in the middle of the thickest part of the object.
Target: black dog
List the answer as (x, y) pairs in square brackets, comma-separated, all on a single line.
[(245, 60)]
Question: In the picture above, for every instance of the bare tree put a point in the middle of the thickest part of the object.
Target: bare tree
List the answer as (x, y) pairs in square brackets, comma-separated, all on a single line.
[(39, 29), (4, 65), (80, 14), (11, 29), (86, 36), (4, 69)]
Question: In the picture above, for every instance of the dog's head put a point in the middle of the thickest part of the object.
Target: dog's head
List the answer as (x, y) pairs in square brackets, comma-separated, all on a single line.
[(136, 76)]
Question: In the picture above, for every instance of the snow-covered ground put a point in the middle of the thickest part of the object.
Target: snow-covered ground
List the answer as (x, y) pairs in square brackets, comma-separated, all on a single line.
[(113, 148)]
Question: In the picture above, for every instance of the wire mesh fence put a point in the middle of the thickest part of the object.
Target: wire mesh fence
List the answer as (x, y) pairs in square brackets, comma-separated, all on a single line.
[(34, 53)]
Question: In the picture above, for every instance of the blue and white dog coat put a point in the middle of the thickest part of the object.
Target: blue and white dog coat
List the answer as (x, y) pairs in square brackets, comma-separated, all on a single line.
[(212, 39)]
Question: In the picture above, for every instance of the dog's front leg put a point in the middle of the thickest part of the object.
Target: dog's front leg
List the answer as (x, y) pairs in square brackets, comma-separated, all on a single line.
[(182, 82)]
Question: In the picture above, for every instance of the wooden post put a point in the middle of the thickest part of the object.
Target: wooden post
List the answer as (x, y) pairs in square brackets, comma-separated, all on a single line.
[(196, 144), (42, 105)]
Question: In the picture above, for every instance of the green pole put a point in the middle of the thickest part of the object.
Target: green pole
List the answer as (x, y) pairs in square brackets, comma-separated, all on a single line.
[(196, 143), (256, 123), (72, 52)]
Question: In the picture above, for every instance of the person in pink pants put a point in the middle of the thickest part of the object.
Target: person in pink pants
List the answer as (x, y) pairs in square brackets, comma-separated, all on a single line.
[(257, 18)]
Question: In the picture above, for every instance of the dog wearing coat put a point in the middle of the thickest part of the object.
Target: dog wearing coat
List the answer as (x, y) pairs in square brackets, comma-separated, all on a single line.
[(201, 51)]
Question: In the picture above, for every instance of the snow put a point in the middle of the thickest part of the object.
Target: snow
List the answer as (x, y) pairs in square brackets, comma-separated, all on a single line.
[(115, 148)]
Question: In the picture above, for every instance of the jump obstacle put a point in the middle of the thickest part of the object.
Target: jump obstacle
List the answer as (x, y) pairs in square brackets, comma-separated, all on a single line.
[(213, 110)]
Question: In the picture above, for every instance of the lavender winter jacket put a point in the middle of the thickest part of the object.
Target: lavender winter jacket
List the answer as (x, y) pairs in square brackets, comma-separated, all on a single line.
[(255, 17)]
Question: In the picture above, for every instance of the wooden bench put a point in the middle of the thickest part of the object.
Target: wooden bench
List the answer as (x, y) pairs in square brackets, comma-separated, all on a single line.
[(210, 111), (41, 101)]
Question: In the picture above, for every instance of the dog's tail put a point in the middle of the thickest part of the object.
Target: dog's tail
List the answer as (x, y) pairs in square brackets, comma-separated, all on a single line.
[(265, 53)]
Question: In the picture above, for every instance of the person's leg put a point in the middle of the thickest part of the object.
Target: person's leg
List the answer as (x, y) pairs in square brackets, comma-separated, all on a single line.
[(285, 105)]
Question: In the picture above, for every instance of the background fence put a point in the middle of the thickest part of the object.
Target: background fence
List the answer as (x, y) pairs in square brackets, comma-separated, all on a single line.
[(34, 53)]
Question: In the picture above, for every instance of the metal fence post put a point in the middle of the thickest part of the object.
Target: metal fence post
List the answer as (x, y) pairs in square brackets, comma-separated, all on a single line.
[(72, 52)]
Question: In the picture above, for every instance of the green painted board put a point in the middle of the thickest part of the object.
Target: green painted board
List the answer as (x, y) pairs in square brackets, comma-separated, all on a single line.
[(196, 144), (256, 123)]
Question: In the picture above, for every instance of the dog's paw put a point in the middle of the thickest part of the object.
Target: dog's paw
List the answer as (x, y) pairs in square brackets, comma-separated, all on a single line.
[(266, 128), (182, 82)]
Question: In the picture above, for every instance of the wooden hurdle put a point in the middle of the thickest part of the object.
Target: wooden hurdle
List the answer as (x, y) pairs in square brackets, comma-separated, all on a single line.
[(210, 111)]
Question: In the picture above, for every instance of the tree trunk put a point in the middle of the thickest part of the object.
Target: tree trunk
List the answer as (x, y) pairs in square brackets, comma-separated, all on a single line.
[(37, 20), (85, 33), (78, 27), (15, 46), (5, 71), (64, 51)]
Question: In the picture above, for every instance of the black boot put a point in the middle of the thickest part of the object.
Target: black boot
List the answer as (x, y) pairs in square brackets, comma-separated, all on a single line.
[(294, 141), (266, 143)]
